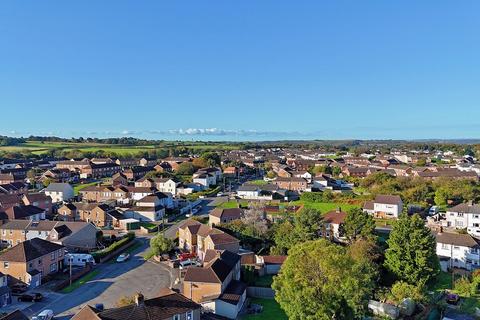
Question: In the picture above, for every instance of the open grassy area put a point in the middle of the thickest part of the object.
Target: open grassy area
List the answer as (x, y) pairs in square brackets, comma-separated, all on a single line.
[(258, 182), (80, 282), (271, 310), (39, 147), (80, 186), (325, 207), (233, 204)]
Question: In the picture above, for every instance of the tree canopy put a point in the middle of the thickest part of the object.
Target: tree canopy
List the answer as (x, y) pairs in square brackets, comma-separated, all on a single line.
[(160, 245), (321, 280), (411, 254), (358, 224)]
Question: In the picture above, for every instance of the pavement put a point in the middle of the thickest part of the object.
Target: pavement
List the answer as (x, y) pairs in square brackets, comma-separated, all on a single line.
[(113, 281)]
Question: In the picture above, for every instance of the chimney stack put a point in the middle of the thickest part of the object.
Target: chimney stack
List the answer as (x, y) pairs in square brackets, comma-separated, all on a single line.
[(139, 299)]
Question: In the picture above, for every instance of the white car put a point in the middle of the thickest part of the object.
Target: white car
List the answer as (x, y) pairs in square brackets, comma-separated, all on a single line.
[(220, 194), (44, 315), (123, 257), (188, 263)]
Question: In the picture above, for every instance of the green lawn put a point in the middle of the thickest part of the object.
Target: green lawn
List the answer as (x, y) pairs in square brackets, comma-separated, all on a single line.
[(233, 204), (38, 147), (325, 207), (80, 282), (80, 186), (258, 182), (271, 310), (444, 282)]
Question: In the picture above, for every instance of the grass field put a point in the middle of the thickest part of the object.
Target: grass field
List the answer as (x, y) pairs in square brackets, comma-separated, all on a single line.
[(271, 310), (38, 147), (325, 207), (80, 186)]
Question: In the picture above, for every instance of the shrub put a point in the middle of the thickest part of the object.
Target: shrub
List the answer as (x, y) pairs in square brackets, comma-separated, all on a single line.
[(464, 287), (98, 255)]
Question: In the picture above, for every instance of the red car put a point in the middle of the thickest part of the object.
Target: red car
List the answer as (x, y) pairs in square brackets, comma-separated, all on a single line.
[(186, 256)]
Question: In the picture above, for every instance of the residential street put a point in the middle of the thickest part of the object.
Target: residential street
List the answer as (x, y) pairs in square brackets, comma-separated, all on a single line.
[(208, 204), (113, 281)]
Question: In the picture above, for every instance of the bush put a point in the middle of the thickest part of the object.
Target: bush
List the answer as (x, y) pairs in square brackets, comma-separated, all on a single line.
[(464, 287), (98, 255), (402, 290), (312, 197)]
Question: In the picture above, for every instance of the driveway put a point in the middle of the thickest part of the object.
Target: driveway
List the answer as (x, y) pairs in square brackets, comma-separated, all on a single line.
[(113, 281)]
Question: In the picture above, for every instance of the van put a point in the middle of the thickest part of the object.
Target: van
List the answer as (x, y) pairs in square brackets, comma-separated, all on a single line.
[(78, 259), (44, 315), (433, 210), (187, 263)]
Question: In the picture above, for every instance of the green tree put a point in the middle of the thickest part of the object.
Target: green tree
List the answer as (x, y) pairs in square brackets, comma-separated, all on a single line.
[(358, 224), (284, 237), (186, 168), (308, 223), (320, 280), (160, 245), (411, 254)]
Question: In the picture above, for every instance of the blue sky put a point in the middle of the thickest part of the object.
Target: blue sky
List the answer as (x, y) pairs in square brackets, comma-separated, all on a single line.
[(241, 70)]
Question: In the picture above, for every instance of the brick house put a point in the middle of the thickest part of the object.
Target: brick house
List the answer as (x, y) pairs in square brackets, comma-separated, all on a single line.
[(197, 237), (73, 235), (223, 215), (216, 285), (168, 306), (32, 260), (40, 200), (293, 183)]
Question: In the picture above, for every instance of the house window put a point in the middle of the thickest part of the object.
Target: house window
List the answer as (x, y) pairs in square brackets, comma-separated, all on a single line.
[(39, 262), (52, 256), (176, 317), (189, 315), (53, 267), (6, 264), (459, 214), (456, 248)]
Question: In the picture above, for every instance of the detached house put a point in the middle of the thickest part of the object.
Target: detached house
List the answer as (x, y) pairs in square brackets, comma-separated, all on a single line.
[(32, 260), (216, 285), (458, 251), (384, 206)]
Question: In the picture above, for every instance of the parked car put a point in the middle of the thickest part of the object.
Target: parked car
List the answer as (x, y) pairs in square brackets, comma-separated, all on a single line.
[(188, 263), (433, 210), (452, 298), (123, 257), (18, 289), (44, 315), (186, 256), (32, 297), (220, 194)]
